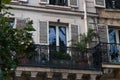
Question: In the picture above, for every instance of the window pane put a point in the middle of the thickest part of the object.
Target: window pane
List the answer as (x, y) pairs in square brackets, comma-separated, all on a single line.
[(113, 47), (112, 36), (59, 2), (11, 22), (52, 36), (62, 36), (114, 4)]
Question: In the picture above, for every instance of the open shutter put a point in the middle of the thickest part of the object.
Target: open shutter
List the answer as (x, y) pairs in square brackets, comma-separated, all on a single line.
[(103, 32), (73, 3), (43, 32), (20, 23), (74, 34), (23, 0), (44, 1), (100, 3)]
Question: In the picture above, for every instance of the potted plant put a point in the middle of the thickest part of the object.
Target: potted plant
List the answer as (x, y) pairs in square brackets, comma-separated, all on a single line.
[(84, 43), (60, 57)]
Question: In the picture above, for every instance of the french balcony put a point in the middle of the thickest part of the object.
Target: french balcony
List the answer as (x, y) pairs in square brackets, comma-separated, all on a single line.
[(110, 52), (63, 58), (110, 55)]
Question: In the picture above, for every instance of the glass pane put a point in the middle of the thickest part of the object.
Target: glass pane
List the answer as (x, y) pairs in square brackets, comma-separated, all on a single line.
[(11, 22), (52, 36), (112, 36), (113, 47), (62, 38)]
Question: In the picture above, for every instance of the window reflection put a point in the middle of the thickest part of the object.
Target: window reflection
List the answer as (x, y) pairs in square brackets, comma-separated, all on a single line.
[(57, 37), (113, 4), (52, 36), (113, 47), (59, 2), (62, 38)]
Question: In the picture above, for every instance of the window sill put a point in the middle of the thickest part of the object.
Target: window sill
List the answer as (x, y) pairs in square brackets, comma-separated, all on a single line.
[(112, 10)]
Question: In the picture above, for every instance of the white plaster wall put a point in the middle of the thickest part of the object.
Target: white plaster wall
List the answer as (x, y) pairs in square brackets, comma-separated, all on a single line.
[(37, 3), (37, 16)]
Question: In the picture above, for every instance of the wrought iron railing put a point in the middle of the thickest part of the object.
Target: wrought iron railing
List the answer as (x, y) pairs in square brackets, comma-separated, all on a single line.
[(110, 52), (64, 57)]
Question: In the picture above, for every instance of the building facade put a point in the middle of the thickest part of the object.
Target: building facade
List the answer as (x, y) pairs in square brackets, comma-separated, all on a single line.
[(58, 24), (108, 12)]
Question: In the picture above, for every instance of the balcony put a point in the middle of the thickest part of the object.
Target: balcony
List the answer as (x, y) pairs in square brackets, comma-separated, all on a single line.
[(64, 58), (110, 52)]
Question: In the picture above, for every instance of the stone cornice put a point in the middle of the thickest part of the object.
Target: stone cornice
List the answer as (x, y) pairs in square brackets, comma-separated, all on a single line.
[(48, 9)]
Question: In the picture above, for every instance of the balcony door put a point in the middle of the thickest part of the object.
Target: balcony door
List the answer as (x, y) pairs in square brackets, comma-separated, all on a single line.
[(57, 37), (113, 39)]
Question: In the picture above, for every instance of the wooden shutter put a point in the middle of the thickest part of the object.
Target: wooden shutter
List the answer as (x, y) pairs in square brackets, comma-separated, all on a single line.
[(74, 34), (43, 32), (73, 3), (103, 32), (44, 1), (20, 23), (100, 3)]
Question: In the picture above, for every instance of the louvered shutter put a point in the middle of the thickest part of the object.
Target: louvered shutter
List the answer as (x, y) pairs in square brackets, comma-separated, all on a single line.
[(20, 23), (74, 34), (43, 32), (73, 3), (44, 1), (103, 32), (100, 3)]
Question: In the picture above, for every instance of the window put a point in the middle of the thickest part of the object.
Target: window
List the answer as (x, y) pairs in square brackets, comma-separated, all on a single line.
[(11, 22), (59, 2), (57, 36), (114, 37), (113, 4), (71, 3), (99, 3)]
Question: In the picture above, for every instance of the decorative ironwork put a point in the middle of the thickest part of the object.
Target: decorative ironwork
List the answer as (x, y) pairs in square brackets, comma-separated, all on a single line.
[(70, 58)]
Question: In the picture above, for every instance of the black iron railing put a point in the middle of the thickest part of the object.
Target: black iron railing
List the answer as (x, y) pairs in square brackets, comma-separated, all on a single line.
[(64, 57), (110, 52)]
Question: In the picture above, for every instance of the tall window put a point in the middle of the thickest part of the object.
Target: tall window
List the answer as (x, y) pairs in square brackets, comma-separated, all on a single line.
[(57, 36), (113, 47), (59, 2), (113, 4)]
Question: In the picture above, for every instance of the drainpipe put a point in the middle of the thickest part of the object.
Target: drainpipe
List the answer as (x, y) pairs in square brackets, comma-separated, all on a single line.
[(85, 16)]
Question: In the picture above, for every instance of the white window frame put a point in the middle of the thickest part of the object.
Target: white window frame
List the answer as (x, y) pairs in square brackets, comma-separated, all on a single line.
[(73, 5), (23, 0), (57, 33), (99, 5), (44, 2)]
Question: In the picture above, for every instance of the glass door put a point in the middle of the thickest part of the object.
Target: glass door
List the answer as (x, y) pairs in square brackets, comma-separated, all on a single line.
[(113, 46), (57, 37)]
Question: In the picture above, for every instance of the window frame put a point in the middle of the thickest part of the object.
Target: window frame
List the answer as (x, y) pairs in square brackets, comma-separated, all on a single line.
[(101, 6), (57, 32), (58, 4)]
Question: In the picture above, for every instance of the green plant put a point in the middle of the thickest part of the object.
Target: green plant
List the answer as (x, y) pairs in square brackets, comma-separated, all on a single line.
[(13, 42), (57, 55), (86, 39)]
